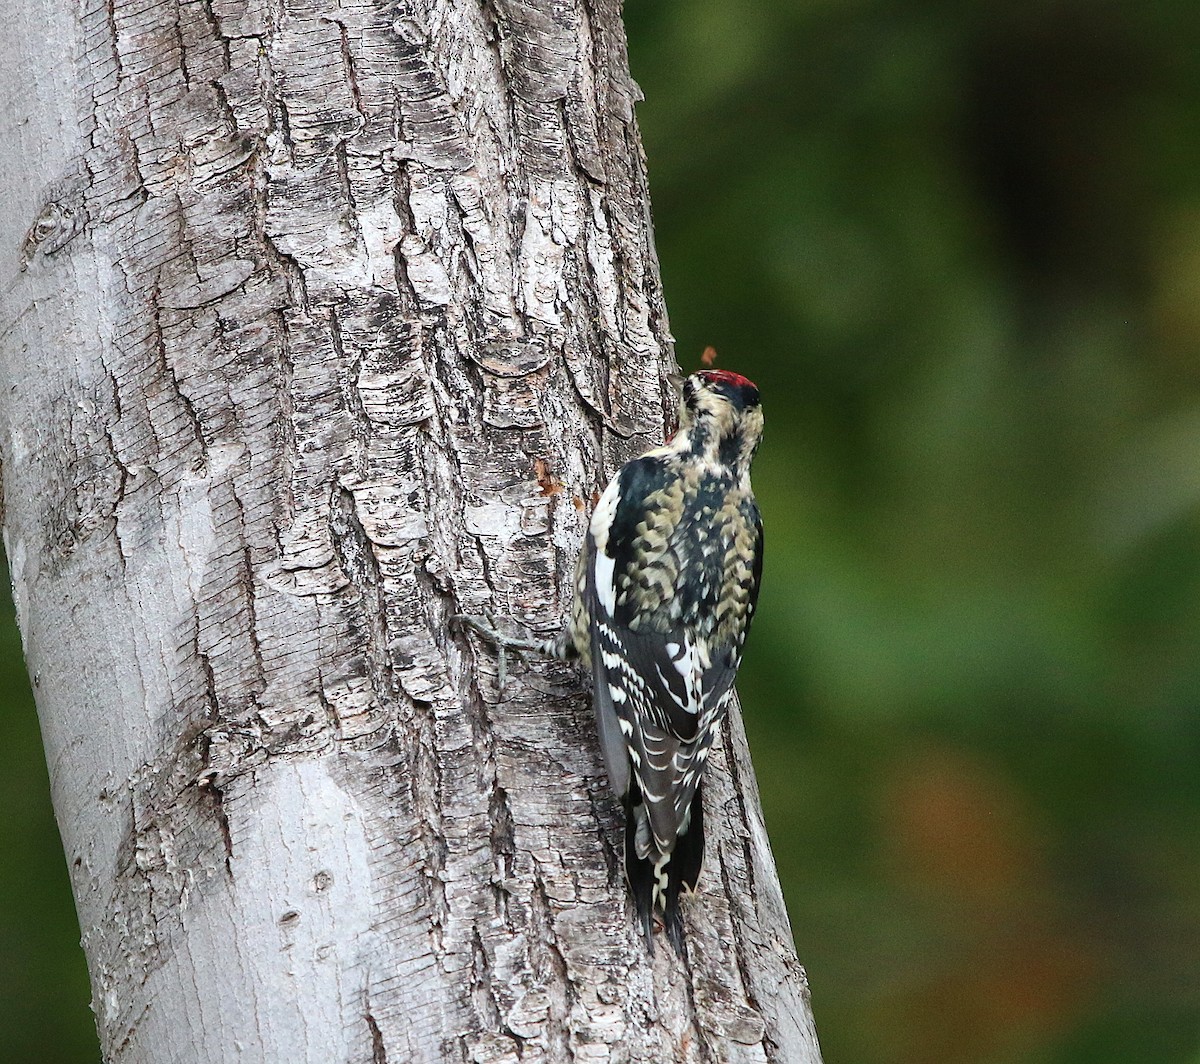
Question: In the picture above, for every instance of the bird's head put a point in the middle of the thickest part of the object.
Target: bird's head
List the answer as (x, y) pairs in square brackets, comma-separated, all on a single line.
[(721, 417)]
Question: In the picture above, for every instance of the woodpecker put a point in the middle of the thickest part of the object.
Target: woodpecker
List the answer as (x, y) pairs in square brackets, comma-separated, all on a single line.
[(665, 589)]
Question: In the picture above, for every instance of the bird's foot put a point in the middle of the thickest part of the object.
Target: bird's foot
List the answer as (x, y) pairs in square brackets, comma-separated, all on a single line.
[(485, 626)]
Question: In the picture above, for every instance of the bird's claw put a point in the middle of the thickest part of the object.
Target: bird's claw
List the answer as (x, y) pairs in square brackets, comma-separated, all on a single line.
[(485, 626)]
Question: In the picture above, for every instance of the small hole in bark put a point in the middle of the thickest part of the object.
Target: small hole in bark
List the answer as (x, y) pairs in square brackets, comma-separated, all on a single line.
[(288, 918)]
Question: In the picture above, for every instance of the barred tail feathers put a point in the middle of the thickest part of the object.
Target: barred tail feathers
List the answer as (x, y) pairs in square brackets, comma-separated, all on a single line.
[(656, 880)]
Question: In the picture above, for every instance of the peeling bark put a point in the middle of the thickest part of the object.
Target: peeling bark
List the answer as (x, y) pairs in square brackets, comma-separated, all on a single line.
[(323, 321)]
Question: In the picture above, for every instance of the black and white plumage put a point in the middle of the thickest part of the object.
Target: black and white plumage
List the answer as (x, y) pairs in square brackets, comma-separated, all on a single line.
[(666, 589)]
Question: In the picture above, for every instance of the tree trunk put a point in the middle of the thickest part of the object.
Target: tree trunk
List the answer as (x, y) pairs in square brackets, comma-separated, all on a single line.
[(323, 321)]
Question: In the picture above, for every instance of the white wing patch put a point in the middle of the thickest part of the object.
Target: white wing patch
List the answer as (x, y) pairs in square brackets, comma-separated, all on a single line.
[(602, 519), (605, 513), (688, 659), (606, 591)]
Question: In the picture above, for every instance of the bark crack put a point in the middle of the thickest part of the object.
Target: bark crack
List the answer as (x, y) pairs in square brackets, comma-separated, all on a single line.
[(356, 557), (560, 989), (378, 1052)]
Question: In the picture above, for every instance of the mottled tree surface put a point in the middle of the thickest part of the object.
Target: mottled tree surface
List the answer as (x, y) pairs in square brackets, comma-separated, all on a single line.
[(322, 322)]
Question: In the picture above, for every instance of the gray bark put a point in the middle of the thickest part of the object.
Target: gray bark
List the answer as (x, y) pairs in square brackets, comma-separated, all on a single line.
[(323, 321)]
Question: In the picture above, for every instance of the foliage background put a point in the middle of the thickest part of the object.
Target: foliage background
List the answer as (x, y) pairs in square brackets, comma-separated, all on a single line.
[(958, 247)]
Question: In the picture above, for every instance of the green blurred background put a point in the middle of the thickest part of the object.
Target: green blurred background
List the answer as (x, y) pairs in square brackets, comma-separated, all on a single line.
[(958, 247)]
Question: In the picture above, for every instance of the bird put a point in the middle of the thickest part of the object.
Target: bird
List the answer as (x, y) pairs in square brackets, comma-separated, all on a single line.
[(665, 590)]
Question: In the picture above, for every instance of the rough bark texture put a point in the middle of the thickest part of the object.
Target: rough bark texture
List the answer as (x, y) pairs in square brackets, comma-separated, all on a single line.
[(322, 321)]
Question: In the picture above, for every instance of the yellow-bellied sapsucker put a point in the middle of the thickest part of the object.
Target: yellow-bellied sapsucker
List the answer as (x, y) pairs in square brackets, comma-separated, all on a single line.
[(665, 590)]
